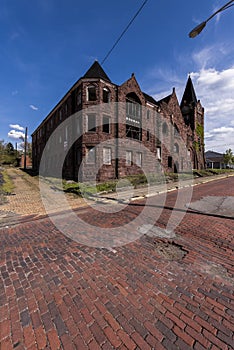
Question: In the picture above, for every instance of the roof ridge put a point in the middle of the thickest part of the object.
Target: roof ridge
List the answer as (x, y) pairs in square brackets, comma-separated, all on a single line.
[(96, 71)]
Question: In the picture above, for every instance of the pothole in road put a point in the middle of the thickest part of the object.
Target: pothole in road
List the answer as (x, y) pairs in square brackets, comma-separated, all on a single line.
[(170, 250)]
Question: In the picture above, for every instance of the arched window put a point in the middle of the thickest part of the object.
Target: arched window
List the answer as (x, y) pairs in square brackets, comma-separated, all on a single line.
[(133, 117), (176, 148), (106, 95), (91, 93)]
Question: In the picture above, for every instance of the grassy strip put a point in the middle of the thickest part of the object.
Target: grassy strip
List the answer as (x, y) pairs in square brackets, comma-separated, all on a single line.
[(7, 186), (110, 186), (87, 189), (211, 172)]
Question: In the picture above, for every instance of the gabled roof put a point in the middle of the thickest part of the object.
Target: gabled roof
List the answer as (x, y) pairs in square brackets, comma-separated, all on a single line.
[(150, 98), (96, 71), (189, 94), (165, 99), (214, 157), (212, 154)]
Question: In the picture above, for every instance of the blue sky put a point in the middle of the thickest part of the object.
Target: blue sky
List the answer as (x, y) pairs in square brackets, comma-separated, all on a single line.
[(46, 45)]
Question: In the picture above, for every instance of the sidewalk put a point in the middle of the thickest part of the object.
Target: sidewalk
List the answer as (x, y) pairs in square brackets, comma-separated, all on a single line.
[(26, 199)]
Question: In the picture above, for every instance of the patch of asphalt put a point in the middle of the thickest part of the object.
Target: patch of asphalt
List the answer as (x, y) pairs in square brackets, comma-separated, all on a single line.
[(156, 231), (222, 205)]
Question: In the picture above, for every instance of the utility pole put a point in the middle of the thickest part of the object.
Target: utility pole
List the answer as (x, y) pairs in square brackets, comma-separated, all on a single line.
[(25, 147)]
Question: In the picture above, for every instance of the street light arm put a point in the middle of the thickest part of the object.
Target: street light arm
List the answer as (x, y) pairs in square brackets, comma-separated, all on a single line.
[(197, 30), (224, 7)]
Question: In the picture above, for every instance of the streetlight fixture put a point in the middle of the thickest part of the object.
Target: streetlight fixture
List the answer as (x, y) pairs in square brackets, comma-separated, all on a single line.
[(197, 30)]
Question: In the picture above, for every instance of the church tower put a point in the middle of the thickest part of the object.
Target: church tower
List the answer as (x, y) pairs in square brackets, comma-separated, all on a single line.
[(193, 114)]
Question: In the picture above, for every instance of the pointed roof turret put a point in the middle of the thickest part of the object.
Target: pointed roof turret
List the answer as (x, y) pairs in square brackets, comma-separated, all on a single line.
[(189, 96), (96, 71)]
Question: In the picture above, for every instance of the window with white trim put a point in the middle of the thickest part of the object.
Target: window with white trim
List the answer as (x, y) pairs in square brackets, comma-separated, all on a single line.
[(107, 155), (133, 117), (106, 95), (91, 122), (139, 158), (91, 93), (106, 124), (128, 157), (176, 148), (90, 155)]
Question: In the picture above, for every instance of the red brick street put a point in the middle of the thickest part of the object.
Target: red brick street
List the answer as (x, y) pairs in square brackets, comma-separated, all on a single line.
[(152, 293)]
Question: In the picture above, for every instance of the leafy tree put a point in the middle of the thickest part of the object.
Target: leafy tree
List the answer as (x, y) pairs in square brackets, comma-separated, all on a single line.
[(8, 155), (9, 148), (228, 157), (1, 150)]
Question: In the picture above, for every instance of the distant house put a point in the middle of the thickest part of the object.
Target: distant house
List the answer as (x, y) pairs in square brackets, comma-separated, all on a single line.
[(214, 160), (158, 126)]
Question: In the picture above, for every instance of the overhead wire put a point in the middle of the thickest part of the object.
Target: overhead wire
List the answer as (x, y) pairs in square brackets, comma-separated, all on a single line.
[(124, 31), (122, 34)]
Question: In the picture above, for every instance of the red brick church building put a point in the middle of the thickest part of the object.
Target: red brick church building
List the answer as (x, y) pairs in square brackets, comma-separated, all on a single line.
[(118, 130)]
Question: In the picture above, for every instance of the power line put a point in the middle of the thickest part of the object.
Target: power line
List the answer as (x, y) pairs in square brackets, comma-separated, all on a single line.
[(124, 31)]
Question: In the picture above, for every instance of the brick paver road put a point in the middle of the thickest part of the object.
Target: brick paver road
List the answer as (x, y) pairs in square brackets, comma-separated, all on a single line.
[(153, 293)]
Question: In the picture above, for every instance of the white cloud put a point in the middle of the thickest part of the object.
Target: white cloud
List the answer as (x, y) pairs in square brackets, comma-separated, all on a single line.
[(213, 80), (17, 127), (216, 90), (203, 57), (34, 108), (16, 135), (222, 130), (209, 56), (15, 92)]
